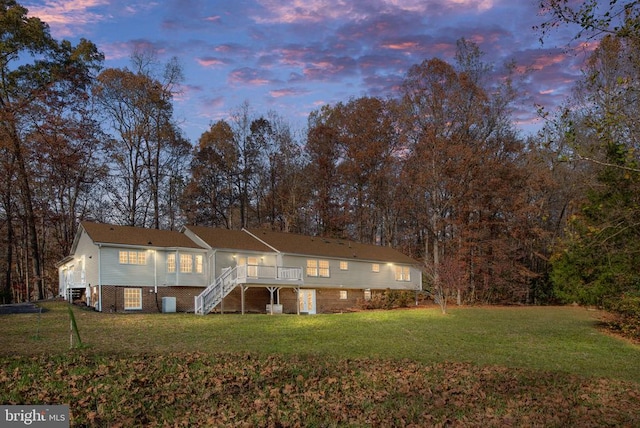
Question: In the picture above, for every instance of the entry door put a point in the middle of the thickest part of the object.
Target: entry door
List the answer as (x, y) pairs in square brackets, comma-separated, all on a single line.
[(307, 301), (252, 265)]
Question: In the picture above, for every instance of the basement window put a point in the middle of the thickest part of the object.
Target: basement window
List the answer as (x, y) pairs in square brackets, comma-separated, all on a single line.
[(132, 298)]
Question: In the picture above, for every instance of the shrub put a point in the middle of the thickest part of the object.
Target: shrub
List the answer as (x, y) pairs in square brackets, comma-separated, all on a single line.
[(389, 299), (626, 316)]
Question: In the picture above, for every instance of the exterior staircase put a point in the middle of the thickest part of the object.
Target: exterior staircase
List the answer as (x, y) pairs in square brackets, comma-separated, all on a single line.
[(218, 290), (243, 274)]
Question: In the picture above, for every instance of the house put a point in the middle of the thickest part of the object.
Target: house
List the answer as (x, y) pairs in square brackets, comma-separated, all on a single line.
[(200, 269), (123, 268)]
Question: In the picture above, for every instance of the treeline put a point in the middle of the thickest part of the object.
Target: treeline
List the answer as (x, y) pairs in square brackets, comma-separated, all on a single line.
[(439, 170)]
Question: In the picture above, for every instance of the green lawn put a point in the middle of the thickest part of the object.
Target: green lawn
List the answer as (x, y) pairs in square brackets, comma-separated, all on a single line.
[(564, 339), (548, 366)]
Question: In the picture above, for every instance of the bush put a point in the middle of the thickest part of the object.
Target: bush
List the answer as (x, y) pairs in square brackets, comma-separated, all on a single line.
[(389, 299), (626, 316)]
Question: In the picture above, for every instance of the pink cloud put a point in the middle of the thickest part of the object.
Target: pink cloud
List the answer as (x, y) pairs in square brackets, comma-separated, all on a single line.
[(323, 69), (401, 46), (287, 92), (213, 19), (65, 17), (211, 62), (249, 76), (315, 11)]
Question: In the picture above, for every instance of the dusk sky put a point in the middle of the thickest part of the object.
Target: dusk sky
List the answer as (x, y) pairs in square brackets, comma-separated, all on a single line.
[(294, 56)]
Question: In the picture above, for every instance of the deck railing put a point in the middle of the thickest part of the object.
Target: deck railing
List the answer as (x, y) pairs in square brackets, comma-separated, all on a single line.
[(242, 274)]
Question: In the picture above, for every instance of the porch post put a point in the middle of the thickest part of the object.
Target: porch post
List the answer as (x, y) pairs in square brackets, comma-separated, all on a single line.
[(242, 290), (271, 290), (298, 301)]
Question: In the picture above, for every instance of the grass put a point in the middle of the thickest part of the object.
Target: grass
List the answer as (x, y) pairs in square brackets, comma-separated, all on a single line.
[(563, 339), (496, 366)]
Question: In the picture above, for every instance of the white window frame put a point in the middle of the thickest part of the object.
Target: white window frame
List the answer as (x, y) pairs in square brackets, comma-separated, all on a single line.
[(130, 257), (318, 268), (344, 265), (199, 263), (403, 273), (186, 263), (323, 269), (375, 267), (344, 295), (171, 263), (132, 295), (312, 267)]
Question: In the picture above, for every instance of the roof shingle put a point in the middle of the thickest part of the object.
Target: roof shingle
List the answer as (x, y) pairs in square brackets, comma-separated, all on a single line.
[(228, 239), (138, 236), (330, 247)]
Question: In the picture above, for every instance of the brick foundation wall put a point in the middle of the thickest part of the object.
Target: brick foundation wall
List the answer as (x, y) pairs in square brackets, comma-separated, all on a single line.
[(113, 298), (327, 300), (256, 299)]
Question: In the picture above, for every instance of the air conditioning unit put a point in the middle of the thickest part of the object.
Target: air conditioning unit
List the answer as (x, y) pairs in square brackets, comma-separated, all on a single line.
[(168, 305)]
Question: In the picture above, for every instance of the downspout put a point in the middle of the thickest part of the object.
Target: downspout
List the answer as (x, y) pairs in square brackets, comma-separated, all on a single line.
[(155, 270), (155, 278), (99, 278)]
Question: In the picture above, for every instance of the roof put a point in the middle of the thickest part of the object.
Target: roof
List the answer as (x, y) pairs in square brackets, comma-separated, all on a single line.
[(138, 236), (248, 240), (228, 239), (329, 247)]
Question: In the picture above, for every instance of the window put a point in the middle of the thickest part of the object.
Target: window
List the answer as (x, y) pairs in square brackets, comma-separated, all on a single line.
[(403, 273), (367, 294), (375, 267), (132, 298), (186, 263), (318, 268), (312, 268), (344, 265), (199, 263), (171, 263), (132, 257), (343, 294), (324, 268)]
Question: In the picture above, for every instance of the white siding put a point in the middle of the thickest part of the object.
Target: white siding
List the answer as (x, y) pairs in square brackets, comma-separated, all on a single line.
[(229, 259), (153, 273), (359, 275), (115, 273)]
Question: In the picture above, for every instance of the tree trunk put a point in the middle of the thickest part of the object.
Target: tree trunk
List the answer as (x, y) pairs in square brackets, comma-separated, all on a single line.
[(6, 292), (25, 188)]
